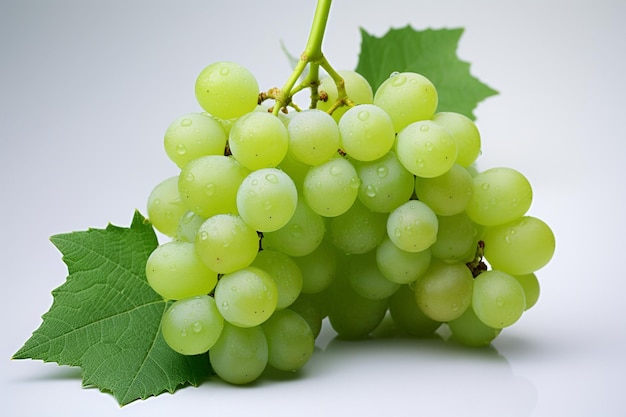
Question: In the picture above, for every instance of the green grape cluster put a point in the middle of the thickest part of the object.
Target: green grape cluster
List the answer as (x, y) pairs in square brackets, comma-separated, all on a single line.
[(349, 213)]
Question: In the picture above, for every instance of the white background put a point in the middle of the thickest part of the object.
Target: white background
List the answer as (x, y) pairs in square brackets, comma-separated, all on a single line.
[(88, 88)]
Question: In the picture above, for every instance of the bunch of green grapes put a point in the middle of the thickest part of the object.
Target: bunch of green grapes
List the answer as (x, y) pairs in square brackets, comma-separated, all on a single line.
[(338, 213)]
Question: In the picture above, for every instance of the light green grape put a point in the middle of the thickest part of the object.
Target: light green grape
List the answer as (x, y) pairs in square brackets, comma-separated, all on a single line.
[(191, 326), (240, 355), (208, 185), (464, 132), (175, 271), (188, 226), (349, 314), (444, 292), (519, 247), (426, 149), (357, 87), (385, 183), (367, 280), (285, 273), (401, 266), (407, 315), (456, 238), (358, 230), (319, 268), (500, 195), (267, 199), (246, 297), (165, 207), (470, 331), (300, 236), (313, 137), (227, 90), (366, 132), (290, 340), (258, 140), (225, 243), (447, 194), (331, 188), (498, 299), (413, 226), (193, 135), (407, 97), (530, 284)]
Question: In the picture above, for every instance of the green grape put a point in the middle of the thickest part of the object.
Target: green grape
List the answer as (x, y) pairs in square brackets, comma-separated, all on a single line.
[(407, 315), (225, 243), (165, 207), (191, 326), (366, 132), (531, 287), (290, 340), (313, 137), (266, 199), (240, 355), (331, 188), (358, 230), (464, 132), (175, 271), (426, 149), (401, 266), (295, 169), (300, 236), (412, 226), (192, 136), (357, 87), (208, 185), (319, 268), (519, 247), (308, 306), (447, 194), (367, 280), (349, 314), (500, 195), (407, 97), (470, 331), (285, 273), (188, 226), (385, 183), (498, 299), (258, 140), (444, 292), (456, 238), (227, 90), (246, 297)]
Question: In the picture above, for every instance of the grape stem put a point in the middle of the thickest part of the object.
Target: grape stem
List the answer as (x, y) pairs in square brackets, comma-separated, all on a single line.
[(314, 57)]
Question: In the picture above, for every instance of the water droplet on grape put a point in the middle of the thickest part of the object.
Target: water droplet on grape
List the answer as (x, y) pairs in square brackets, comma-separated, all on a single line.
[(225, 243), (197, 327), (254, 182), (428, 146), (209, 189), (296, 230), (355, 182), (234, 288), (485, 186), (455, 307), (424, 128), (156, 202), (225, 305), (335, 170), (382, 171), (408, 229), (267, 205), (186, 122), (398, 80), (363, 115), (224, 71), (393, 74), (183, 333), (272, 178), (420, 163), (370, 191), (204, 235), (181, 149), (397, 232), (189, 177)]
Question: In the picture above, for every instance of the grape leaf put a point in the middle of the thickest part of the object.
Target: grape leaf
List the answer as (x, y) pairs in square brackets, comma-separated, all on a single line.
[(106, 319), (431, 53)]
